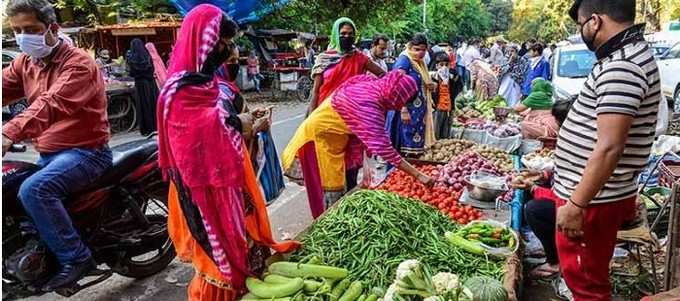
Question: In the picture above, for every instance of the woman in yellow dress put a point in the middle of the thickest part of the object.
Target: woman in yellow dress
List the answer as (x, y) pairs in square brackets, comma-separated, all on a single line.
[(358, 109)]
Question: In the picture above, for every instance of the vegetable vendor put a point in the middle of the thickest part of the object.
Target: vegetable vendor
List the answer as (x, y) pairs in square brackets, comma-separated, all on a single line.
[(412, 128), (217, 217), (539, 211), (357, 109), (335, 66), (538, 119)]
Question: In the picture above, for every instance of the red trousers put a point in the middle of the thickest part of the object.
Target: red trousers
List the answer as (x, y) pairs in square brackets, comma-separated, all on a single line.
[(585, 261)]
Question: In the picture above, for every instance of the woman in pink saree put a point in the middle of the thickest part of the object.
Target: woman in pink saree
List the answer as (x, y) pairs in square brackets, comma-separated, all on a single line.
[(217, 214)]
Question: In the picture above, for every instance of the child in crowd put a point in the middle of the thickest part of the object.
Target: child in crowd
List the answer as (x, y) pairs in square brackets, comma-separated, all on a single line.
[(449, 85)]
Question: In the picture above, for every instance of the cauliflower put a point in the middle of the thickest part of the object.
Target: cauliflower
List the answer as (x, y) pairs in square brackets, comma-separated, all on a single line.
[(413, 279), (445, 282), (407, 267), (390, 293)]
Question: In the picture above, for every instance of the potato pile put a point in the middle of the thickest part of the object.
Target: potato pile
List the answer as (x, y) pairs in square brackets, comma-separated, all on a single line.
[(446, 150), (543, 153), (501, 159)]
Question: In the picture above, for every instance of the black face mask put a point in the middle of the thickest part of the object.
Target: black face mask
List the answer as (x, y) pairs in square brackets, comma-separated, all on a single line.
[(214, 60), (346, 43), (590, 43), (232, 70)]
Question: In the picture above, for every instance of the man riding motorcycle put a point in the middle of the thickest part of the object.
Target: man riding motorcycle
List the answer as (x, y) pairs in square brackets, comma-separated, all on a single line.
[(67, 122)]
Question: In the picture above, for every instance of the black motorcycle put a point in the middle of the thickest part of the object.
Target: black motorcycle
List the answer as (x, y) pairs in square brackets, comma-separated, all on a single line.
[(122, 218)]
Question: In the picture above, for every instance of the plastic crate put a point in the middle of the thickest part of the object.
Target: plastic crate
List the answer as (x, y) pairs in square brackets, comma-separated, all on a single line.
[(669, 172)]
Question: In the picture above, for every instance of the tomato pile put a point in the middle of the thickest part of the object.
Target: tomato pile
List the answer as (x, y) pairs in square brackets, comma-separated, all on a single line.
[(443, 197)]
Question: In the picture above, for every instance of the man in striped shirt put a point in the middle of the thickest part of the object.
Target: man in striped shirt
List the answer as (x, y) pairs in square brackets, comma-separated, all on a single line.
[(604, 144)]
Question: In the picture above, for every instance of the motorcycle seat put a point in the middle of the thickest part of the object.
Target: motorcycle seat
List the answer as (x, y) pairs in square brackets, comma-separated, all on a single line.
[(126, 158)]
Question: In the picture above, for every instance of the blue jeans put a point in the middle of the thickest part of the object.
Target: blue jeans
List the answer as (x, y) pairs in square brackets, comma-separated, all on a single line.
[(43, 195), (256, 78), (464, 75)]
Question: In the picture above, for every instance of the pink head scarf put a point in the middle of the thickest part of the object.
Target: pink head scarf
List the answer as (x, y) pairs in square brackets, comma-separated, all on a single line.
[(362, 102), (158, 66), (198, 35)]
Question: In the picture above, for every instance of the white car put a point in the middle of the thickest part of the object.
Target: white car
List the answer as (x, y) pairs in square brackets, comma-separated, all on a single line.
[(571, 65), (669, 71)]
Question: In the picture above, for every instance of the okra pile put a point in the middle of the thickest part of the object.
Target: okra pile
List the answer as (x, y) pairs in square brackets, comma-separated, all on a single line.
[(371, 232)]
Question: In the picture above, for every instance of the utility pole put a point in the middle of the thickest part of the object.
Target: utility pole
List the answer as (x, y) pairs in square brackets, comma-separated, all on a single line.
[(424, 15)]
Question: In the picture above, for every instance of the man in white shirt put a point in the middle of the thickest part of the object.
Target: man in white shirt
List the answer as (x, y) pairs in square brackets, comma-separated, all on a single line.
[(497, 58), (379, 50), (471, 53)]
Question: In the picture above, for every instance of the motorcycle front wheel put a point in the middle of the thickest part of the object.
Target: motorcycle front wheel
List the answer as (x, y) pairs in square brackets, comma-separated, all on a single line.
[(158, 255)]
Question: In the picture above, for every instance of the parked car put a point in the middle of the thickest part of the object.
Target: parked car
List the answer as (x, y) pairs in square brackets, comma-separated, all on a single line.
[(669, 71), (659, 49), (8, 56), (571, 65)]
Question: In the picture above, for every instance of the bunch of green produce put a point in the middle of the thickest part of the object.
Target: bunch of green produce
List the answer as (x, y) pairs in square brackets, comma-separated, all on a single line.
[(292, 281), (464, 100), (486, 107), (477, 237), (371, 232)]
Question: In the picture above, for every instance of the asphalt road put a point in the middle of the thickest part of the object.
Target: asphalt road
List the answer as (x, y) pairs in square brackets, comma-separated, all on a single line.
[(289, 214)]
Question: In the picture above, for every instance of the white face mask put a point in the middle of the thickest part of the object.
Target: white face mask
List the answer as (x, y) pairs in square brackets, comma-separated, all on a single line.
[(443, 72), (34, 45)]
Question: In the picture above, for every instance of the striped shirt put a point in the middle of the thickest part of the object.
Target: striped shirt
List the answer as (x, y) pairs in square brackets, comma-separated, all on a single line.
[(623, 81)]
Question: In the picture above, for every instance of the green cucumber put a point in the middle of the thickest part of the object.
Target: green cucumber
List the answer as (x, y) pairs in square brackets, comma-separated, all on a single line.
[(273, 290), (252, 297), (311, 286), (464, 244), (371, 297), (378, 292), (276, 279), (340, 288), (362, 297), (353, 292), (294, 269)]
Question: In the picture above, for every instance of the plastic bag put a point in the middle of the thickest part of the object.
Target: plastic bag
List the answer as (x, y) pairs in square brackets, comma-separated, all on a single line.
[(374, 172), (478, 136), (529, 146), (508, 144), (538, 163), (269, 171), (497, 252)]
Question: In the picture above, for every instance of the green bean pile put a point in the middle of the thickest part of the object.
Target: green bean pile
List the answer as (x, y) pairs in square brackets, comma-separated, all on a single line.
[(371, 232)]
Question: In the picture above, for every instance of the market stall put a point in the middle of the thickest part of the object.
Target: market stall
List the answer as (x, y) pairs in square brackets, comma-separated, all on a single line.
[(376, 244), (397, 239)]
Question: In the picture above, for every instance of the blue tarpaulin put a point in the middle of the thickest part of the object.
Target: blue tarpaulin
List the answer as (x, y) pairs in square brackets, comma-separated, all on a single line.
[(242, 11)]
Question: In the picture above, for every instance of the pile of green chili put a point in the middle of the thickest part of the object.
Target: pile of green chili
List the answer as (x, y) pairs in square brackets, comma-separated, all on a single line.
[(371, 232)]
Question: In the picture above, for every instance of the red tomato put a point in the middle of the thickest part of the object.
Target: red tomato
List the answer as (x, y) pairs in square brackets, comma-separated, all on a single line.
[(462, 221)]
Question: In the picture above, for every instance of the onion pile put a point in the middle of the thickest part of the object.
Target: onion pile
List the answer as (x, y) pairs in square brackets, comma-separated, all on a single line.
[(454, 173)]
